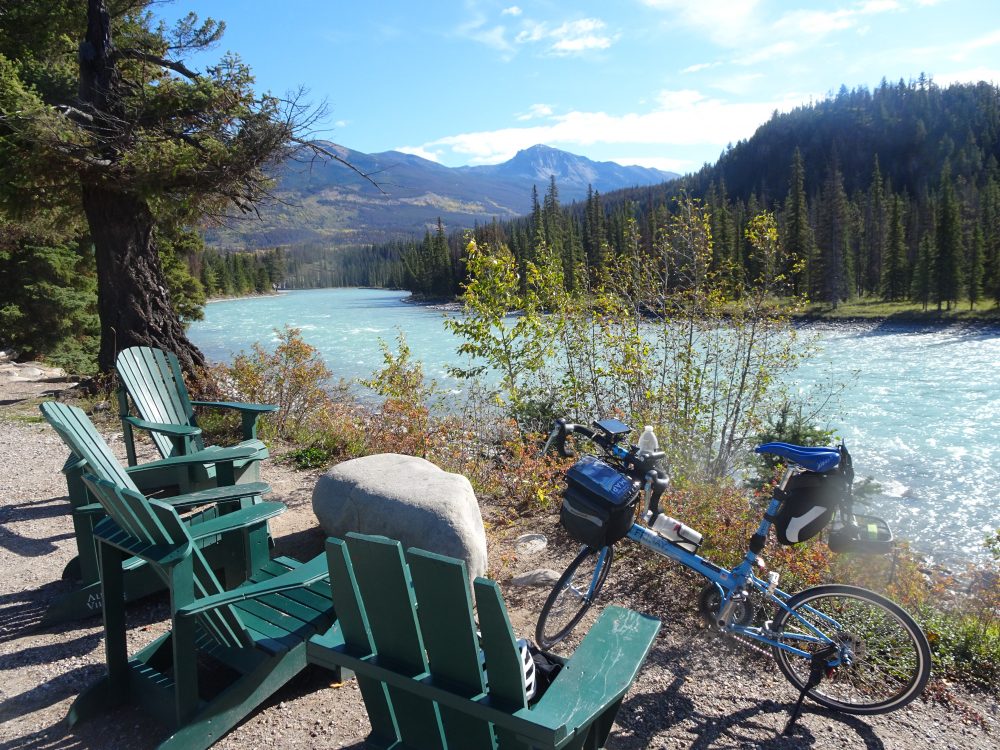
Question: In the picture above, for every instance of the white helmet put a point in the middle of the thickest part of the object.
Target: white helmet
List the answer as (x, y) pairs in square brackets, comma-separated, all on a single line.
[(527, 667)]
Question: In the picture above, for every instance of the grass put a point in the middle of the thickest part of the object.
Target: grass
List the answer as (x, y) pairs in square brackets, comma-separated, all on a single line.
[(877, 309)]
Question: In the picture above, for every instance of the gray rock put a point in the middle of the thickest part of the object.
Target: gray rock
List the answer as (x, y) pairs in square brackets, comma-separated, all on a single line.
[(529, 545), (404, 498), (540, 577)]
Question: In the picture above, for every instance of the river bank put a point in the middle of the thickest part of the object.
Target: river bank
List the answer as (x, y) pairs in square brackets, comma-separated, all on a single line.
[(694, 692)]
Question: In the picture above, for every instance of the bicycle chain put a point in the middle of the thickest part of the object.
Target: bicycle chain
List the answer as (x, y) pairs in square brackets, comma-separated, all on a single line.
[(744, 641)]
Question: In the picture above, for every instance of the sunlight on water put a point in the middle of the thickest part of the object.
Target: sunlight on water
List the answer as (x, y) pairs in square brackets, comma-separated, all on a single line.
[(919, 408)]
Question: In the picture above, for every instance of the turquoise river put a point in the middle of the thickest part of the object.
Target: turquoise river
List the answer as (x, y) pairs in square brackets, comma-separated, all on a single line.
[(919, 407)]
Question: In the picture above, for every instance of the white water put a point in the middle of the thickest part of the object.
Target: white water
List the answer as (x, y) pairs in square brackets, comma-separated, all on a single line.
[(920, 410)]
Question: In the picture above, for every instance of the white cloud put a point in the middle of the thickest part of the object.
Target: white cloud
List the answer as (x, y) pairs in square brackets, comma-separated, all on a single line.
[(478, 30), (568, 38), (678, 118), (971, 75), (535, 111), (511, 11), (986, 41), (725, 22), (699, 66), (341, 123), (746, 25), (420, 151)]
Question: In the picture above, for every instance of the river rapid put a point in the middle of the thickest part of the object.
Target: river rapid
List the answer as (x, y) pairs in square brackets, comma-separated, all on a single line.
[(919, 407)]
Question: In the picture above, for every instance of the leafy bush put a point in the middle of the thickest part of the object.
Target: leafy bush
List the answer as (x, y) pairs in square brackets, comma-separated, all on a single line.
[(293, 377)]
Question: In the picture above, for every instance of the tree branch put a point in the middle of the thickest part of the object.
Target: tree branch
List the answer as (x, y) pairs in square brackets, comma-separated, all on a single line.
[(316, 148), (174, 65)]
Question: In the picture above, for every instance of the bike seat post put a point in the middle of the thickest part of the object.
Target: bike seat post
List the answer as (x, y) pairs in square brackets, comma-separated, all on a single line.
[(790, 470)]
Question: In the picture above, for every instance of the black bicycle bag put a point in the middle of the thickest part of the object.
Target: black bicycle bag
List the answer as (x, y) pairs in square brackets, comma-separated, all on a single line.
[(599, 502), (807, 505)]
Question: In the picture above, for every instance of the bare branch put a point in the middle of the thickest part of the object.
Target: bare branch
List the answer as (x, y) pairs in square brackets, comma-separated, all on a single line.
[(315, 147), (174, 65)]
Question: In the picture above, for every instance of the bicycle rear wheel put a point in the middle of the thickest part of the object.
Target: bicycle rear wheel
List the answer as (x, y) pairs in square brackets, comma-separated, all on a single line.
[(572, 595), (884, 656)]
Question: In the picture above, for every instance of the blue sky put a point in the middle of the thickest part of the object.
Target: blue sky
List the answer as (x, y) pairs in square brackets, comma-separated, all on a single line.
[(662, 83)]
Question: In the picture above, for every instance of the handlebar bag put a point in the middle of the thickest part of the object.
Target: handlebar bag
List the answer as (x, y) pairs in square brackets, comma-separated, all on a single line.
[(807, 505), (598, 504)]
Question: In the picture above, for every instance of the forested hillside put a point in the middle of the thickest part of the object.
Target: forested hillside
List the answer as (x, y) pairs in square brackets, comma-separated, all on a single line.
[(891, 194)]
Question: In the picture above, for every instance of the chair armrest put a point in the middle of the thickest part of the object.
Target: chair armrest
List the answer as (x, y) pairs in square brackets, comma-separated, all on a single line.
[(222, 455), (171, 430), (262, 408), (309, 572), (238, 519), (600, 671), (90, 509), (249, 414), (221, 494)]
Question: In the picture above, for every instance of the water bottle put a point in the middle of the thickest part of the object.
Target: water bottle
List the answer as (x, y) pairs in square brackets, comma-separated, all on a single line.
[(675, 531), (647, 440)]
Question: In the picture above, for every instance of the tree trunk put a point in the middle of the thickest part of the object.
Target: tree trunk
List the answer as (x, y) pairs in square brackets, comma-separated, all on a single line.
[(132, 297)]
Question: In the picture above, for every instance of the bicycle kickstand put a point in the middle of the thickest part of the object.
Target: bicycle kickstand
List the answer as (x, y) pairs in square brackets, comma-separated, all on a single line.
[(817, 670)]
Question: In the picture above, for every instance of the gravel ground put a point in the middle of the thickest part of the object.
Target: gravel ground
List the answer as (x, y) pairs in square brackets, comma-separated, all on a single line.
[(696, 690)]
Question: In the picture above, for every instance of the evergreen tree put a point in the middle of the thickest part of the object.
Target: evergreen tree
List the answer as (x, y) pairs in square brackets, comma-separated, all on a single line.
[(949, 255), (974, 268), (923, 272), (876, 229), (799, 241), (830, 283), (894, 265), (121, 130)]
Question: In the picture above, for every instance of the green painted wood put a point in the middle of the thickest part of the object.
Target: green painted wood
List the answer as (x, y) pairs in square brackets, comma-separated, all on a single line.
[(499, 646), (577, 711), (153, 380), (441, 586), (353, 631), (390, 609), (238, 554), (258, 630)]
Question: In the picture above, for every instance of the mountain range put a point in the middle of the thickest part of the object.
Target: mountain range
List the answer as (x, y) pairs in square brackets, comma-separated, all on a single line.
[(324, 202)]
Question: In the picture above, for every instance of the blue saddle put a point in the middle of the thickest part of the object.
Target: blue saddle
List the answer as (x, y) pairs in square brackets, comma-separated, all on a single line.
[(813, 459)]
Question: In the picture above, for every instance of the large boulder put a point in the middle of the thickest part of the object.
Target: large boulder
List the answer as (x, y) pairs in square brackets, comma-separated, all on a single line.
[(404, 498)]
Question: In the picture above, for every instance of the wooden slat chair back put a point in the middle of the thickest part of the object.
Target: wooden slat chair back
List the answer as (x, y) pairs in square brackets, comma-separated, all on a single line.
[(153, 380), (89, 453), (254, 635), (85, 442), (154, 532), (406, 627)]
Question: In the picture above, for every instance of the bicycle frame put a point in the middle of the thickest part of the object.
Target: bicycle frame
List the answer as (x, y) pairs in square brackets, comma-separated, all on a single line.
[(736, 581)]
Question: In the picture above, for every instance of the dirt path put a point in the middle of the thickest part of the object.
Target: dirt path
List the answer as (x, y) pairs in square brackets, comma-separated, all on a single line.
[(696, 691)]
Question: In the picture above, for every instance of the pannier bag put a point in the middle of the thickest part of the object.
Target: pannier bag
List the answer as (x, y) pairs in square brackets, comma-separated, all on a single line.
[(599, 503), (807, 505)]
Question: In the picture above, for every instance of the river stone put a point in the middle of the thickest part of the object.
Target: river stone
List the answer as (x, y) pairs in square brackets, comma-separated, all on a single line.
[(404, 498)]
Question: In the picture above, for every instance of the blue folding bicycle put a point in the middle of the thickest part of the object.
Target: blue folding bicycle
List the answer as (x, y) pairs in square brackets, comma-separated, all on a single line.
[(845, 647)]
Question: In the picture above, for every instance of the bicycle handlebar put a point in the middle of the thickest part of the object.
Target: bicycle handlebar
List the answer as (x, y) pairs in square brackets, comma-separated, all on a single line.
[(640, 466)]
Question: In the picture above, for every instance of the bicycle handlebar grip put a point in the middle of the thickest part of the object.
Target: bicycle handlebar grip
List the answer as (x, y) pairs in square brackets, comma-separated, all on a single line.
[(562, 429)]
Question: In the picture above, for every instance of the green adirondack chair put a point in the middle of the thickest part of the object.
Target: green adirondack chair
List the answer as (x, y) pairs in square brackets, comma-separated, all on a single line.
[(152, 380), (227, 651), (90, 453), (406, 628)]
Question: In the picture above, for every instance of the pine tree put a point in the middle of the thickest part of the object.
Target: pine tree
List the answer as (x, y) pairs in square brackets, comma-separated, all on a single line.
[(923, 272), (949, 256), (876, 229), (830, 283), (894, 263), (974, 268), (798, 236)]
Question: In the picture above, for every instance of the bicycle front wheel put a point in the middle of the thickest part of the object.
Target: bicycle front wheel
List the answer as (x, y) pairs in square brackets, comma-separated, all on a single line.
[(572, 595), (883, 656)]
